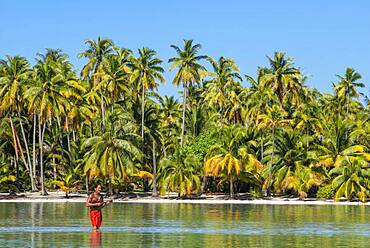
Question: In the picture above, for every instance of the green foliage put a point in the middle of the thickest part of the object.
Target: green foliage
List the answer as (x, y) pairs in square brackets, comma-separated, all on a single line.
[(200, 145), (107, 123), (326, 192), (256, 193)]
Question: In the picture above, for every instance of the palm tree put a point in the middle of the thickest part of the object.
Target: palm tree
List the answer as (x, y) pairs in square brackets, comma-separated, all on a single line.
[(351, 179), (67, 184), (96, 52), (114, 78), (282, 77), (347, 86), (153, 136), (112, 154), (224, 75), (294, 166), (146, 70), (15, 73), (47, 96), (231, 157), (180, 173), (235, 111), (170, 114), (189, 72), (273, 119), (340, 143)]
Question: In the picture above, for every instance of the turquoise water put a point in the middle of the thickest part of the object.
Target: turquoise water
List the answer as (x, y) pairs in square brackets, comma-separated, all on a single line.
[(184, 225)]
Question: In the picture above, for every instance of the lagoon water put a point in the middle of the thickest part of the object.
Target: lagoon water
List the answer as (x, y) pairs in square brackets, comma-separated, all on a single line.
[(184, 225)]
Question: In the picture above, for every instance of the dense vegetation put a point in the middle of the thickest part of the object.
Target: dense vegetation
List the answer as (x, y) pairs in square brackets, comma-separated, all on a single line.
[(64, 129)]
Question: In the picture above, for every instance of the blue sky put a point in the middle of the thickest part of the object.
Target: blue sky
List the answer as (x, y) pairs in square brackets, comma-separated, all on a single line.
[(324, 37)]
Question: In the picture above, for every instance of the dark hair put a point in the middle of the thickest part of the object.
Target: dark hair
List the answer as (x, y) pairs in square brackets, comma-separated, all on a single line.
[(96, 185)]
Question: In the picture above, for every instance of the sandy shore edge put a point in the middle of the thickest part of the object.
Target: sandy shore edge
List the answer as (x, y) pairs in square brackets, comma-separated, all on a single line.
[(81, 198)]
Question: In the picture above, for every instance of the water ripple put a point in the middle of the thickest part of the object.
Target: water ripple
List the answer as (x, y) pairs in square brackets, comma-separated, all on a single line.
[(300, 231)]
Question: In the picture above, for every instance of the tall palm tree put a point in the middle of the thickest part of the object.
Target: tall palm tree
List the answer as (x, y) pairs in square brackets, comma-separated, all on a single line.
[(346, 88), (14, 75), (225, 72), (95, 53), (282, 77), (170, 113), (273, 119), (47, 96), (189, 72), (114, 78), (146, 70)]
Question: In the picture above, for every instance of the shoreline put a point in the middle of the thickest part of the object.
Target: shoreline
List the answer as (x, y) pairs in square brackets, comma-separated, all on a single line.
[(58, 197)]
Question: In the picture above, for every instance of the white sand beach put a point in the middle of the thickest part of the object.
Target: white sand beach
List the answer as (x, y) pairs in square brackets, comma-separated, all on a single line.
[(204, 199)]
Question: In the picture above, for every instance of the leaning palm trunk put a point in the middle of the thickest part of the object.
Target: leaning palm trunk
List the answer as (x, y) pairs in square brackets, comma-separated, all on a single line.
[(155, 193), (14, 139), (271, 160), (21, 151), (183, 117), (17, 146), (41, 141), (33, 186)]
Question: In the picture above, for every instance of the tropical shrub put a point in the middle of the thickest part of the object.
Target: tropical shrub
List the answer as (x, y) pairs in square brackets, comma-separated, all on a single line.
[(326, 192)]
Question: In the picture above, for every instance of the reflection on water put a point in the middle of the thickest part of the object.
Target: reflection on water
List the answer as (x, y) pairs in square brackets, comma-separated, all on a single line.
[(95, 239), (183, 225)]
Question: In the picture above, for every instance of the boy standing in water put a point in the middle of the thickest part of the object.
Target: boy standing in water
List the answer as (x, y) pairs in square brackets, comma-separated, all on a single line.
[(95, 202)]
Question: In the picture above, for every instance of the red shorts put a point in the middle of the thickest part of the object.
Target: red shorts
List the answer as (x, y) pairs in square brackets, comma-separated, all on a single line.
[(96, 218)]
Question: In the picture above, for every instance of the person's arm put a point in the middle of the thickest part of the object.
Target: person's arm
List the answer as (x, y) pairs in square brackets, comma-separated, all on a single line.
[(108, 202), (90, 204)]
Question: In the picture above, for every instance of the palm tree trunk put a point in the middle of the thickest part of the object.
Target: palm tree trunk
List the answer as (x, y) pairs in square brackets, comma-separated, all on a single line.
[(21, 151), (183, 116), (14, 139), (231, 187), (61, 143), (155, 193), (54, 171), (34, 145), (69, 145), (261, 145), (221, 116), (204, 183), (271, 160), (54, 164), (41, 141), (110, 188), (87, 182), (102, 109), (73, 135), (142, 120), (33, 186), (92, 128)]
